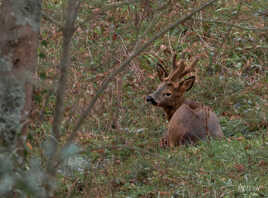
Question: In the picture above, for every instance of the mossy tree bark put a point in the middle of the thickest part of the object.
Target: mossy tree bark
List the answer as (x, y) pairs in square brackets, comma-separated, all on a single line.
[(20, 25)]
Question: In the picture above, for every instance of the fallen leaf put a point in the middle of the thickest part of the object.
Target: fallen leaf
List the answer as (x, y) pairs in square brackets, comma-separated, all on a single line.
[(239, 167), (29, 146)]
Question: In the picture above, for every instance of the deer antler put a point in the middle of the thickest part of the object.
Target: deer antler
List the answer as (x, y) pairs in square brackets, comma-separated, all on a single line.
[(162, 72), (180, 70), (189, 69), (174, 61)]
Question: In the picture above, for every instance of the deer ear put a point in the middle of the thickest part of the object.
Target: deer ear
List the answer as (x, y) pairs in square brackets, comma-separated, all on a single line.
[(162, 73), (187, 84)]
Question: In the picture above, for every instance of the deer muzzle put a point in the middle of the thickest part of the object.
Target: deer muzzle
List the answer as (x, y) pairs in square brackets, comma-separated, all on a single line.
[(151, 100)]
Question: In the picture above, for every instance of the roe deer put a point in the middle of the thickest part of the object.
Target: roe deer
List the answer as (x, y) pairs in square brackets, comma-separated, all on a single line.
[(189, 121)]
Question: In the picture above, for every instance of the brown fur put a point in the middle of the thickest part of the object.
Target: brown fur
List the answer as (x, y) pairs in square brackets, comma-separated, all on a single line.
[(189, 121)]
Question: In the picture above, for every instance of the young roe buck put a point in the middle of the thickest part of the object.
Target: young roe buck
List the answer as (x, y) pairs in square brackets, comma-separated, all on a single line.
[(189, 121)]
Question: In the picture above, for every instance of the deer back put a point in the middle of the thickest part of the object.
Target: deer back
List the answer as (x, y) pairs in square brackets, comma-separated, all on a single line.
[(189, 125)]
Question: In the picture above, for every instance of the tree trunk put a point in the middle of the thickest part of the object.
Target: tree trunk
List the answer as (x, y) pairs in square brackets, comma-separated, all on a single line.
[(20, 26)]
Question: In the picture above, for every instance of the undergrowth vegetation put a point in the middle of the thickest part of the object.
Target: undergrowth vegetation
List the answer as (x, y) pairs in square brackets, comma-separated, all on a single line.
[(121, 135)]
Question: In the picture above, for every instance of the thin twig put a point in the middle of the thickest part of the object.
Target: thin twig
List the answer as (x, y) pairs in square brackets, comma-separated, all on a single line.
[(106, 8), (51, 20), (127, 61), (215, 56), (233, 25)]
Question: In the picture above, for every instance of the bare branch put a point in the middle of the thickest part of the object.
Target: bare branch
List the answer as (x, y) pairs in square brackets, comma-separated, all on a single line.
[(51, 20), (68, 32), (233, 25), (106, 8)]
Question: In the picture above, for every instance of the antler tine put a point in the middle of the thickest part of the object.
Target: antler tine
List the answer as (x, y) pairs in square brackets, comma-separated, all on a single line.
[(190, 69), (196, 59), (174, 61), (180, 64), (183, 53), (187, 71), (177, 69)]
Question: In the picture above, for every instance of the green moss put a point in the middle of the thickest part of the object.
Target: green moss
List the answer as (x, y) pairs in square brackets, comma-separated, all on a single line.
[(27, 12), (12, 100)]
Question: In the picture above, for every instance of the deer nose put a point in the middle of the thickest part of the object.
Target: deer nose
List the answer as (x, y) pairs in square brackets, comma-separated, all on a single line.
[(151, 100)]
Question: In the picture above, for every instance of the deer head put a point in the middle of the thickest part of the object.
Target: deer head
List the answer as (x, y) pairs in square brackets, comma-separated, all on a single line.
[(170, 92)]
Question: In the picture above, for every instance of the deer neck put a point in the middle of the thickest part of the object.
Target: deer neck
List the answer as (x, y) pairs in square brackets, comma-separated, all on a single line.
[(170, 110)]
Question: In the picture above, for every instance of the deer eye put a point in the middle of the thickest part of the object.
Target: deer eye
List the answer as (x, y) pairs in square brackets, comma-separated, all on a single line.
[(167, 94)]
